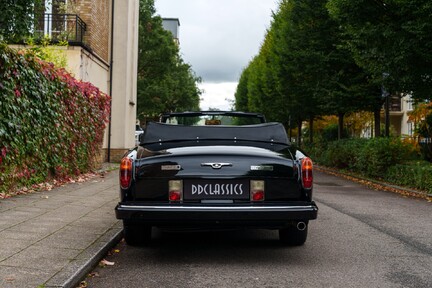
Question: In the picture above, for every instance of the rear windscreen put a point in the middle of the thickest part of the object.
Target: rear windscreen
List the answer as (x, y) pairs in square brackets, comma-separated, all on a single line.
[(212, 120)]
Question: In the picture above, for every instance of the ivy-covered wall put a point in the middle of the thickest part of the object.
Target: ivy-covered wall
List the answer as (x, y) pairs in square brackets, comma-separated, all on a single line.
[(51, 125)]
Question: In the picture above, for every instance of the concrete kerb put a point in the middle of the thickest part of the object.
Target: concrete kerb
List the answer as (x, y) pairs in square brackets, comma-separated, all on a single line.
[(75, 271)]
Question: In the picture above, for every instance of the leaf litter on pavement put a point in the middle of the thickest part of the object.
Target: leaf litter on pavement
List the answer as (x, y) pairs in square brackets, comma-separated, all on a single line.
[(49, 185)]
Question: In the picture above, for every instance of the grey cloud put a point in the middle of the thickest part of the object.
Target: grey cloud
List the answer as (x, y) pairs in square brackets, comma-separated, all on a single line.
[(219, 38)]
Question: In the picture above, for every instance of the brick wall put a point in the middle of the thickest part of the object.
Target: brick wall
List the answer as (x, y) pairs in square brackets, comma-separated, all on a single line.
[(115, 155), (96, 14)]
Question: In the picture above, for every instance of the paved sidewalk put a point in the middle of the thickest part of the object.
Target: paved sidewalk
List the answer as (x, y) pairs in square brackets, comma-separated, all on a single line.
[(54, 238)]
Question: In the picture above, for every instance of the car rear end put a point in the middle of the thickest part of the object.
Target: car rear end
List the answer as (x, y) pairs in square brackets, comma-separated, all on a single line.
[(214, 187)]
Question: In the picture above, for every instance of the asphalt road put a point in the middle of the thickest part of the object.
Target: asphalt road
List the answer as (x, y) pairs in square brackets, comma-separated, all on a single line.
[(362, 238)]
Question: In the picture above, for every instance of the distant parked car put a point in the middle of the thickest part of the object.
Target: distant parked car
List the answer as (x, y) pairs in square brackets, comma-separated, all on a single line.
[(215, 170), (138, 131)]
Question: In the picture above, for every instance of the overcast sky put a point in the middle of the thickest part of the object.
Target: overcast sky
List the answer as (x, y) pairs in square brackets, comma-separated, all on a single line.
[(219, 38)]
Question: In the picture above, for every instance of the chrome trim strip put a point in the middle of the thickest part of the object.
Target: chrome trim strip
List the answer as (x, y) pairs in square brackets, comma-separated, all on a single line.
[(218, 208)]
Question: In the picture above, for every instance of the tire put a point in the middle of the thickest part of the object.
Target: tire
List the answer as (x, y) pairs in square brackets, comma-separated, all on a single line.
[(291, 236), (137, 235)]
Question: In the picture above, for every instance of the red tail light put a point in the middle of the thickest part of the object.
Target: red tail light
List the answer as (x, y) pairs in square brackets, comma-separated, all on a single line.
[(257, 190), (175, 190), (125, 172), (307, 175)]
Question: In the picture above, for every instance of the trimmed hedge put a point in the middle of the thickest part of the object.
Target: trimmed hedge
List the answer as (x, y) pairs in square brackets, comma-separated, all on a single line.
[(417, 175), (377, 155), (51, 124), (387, 159)]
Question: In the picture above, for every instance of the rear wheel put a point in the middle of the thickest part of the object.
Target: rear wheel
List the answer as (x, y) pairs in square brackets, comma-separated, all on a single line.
[(294, 235), (137, 235)]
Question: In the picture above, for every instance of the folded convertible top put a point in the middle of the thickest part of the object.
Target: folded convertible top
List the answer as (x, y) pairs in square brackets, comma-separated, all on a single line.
[(163, 136)]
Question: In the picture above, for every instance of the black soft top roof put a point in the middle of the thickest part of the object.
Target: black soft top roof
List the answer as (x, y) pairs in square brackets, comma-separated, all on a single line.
[(159, 136)]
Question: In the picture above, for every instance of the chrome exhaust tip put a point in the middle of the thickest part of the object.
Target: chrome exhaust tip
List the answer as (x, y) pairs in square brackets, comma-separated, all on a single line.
[(301, 226)]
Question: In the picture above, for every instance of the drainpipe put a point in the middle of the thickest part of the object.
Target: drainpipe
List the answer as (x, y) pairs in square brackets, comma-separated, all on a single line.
[(111, 84)]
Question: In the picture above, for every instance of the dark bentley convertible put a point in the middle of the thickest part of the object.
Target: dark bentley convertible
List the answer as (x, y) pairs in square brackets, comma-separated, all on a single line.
[(215, 170)]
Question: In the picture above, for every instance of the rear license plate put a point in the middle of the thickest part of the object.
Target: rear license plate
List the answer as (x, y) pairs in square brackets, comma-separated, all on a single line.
[(215, 189)]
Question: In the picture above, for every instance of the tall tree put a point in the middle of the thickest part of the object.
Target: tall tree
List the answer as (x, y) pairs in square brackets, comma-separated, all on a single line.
[(241, 94), (273, 104), (303, 49), (165, 82)]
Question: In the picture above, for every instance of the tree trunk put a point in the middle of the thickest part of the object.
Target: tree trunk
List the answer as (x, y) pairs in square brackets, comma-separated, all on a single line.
[(290, 129), (311, 123), (387, 116), (377, 122), (340, 125), (299, 131), (290, 133)]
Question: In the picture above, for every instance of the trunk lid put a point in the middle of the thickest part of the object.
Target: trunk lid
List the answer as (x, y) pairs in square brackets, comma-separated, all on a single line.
[(210, 163)]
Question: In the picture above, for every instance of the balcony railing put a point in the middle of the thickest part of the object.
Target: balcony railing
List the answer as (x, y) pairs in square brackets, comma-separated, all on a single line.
[(395, 103), (61, 27)]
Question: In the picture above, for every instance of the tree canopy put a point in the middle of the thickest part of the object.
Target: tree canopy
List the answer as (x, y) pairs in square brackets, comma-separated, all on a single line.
[(392, 37), (165, 82), (17, 19), (301, 71), (327, 57)]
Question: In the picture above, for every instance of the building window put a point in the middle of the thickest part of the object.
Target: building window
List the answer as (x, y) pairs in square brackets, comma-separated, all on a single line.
[(410, 128), (409, 102)]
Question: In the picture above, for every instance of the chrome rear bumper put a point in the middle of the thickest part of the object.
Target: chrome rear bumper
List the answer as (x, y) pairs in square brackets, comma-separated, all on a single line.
[(190, 214)]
